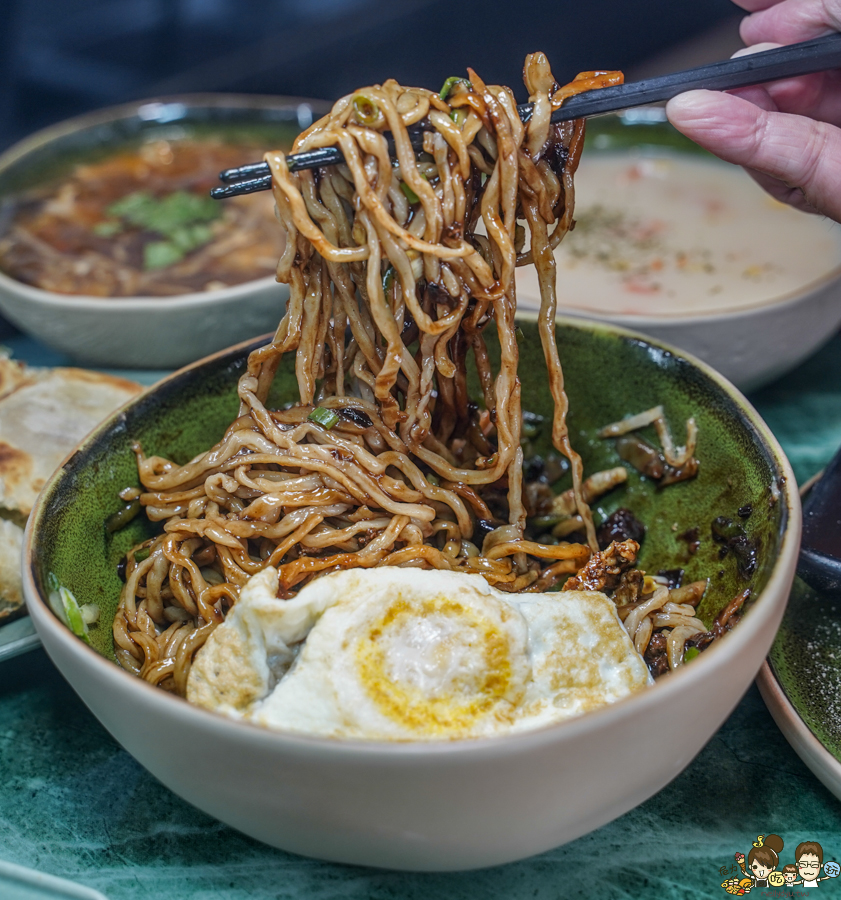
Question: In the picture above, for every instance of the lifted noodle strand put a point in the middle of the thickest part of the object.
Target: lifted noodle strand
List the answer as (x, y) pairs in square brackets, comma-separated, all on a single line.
[(394, 273)]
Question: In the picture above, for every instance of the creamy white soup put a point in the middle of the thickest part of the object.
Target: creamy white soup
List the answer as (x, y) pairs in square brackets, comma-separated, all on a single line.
[(679, 236)]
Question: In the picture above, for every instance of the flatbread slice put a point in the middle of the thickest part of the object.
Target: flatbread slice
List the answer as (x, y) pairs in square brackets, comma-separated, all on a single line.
[(44, 413), (11, 586)]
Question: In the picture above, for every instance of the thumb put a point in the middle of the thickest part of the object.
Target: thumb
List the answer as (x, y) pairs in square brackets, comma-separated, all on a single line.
[(796, 159)]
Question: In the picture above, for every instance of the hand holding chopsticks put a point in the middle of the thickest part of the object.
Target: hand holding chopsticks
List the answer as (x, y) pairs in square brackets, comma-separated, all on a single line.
[(757, 68)]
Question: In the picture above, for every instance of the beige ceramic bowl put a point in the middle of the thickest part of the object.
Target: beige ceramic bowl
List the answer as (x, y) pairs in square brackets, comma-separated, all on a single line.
[(148, 332), (750, 344), (752, 347), (425, 806)]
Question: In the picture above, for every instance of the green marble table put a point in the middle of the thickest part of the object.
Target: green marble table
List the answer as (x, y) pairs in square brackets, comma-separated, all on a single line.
[(74, 804)]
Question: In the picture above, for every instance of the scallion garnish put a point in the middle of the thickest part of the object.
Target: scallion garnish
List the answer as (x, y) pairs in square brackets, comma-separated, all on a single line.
[(67, 609), (411, 196), (324, 417), (459, 116), (366, 110), (179, 218), (388, 279), (122, 517), (450, 83)]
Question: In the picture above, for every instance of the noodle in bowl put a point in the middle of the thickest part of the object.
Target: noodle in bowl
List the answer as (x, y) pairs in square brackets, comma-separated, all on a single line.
[(425, 806), (364, 451), (383, 461)]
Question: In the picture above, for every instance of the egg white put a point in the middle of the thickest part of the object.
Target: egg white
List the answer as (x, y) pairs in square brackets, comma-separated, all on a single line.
[(410, 654)]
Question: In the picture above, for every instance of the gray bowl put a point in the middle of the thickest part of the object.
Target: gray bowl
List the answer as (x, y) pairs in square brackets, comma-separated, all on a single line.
[(148, 332)]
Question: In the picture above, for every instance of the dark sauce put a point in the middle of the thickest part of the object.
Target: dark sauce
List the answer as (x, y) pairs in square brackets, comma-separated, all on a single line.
[(621, 525), (692, 538), (484, 527), (732, 538), (357, 416), (674, 577)]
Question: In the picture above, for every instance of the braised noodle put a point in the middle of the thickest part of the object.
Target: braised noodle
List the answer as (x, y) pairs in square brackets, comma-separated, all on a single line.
[(396, 268)]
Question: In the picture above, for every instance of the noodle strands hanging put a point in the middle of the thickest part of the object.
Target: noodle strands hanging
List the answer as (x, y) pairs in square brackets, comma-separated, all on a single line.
[(396, 270)]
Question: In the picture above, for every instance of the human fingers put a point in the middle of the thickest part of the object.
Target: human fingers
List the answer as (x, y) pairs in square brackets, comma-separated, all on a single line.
[(755, 5), (758, 95), (817, 96), (801, 156), (791, 21), (782, 192)]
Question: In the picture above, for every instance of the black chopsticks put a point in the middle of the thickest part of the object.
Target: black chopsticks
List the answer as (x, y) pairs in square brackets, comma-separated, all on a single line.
[(755, 68)]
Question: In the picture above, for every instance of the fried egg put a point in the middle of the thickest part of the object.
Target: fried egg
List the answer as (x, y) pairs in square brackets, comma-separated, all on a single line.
[(409, 654)]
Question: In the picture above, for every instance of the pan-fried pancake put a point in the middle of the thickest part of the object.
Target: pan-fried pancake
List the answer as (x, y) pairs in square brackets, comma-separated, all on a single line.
[(44, 413)]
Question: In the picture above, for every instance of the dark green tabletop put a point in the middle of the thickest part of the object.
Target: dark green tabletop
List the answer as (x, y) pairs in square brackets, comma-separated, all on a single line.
[(73, 803)]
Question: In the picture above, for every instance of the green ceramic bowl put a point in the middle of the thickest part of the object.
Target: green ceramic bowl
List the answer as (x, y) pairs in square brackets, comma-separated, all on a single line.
[(801, 680), (394, 805)]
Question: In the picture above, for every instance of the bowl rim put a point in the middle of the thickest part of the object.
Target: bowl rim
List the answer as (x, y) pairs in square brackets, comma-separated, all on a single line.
[(136, 302), (58, 130), (736, 642), (211, 99), (785, 301), (805, 743)]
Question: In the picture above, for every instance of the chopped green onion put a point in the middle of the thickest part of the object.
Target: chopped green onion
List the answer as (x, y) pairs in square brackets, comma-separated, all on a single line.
[(164, 214), (411, 196), (181, 218), (122, 517), (324, 417), (541, 523), (90, 613), (690, 654), (388, 279), (108, 228), (52, 582), (366, 111), (188, 237), (450, 83), (518, 334), (141, 554), (459, 116), (65, 606), (160, 254)]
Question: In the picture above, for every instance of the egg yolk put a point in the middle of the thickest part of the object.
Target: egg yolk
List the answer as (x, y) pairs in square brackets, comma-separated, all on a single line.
[(436, 666)]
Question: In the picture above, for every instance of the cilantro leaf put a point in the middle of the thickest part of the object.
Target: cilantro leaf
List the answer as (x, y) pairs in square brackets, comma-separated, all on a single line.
[(181, 218), (160, 254)]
